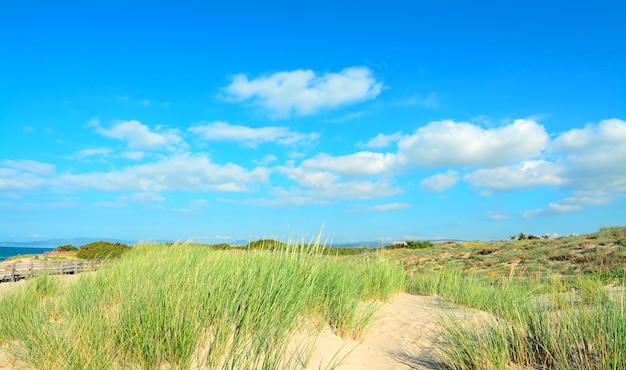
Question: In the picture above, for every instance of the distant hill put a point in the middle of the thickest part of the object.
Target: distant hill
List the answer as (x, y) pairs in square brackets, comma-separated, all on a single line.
[(53, 243)]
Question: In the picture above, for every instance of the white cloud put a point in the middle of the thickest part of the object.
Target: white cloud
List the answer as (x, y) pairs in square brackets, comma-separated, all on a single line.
[(281, 197), (324, 185), (121, 202), (381, 140), (147, 197), (593, 157), (223, 131), (303, 92), (357, 164), (179, 172), (93, 122), (198, 203), (589, 197), (355, 190), (551, 209), (93, 152), (266, 160), (14, 180), (431, 100), (134, 155), (440, 181), (523, 175), (24, 174), (498, 215), (347, 117), (139, 136), (308, 178), (388, 207), (446, 143), (34, 167)]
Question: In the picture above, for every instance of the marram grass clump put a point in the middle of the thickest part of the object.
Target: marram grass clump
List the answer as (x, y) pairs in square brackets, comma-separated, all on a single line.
[(551, 323), (181, 307)]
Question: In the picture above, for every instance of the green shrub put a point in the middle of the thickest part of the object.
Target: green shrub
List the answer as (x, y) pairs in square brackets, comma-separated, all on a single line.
[(101, 250), (66, 248), (621, 242), (411, 244), (266, 244)]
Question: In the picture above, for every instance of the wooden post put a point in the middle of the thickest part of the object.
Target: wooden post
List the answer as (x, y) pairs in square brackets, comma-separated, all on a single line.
[(13, 272)]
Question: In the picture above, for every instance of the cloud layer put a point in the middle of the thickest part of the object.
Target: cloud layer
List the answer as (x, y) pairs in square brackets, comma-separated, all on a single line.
[(584, 164)]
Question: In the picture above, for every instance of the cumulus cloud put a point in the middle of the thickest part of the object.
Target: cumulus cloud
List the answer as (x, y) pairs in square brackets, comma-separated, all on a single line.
[(430, 100), (139, 136), (176, 173), (147, 197), (320, 184), (593, 157), (266, 160), (355, 190), (552, 208), (304, 92), (308, 178), (223, 131), (24, 174), (92, 152), (195, 207), (347, 117), (447, 143), (120, 202), (388, 207), (522, 175), (440, 181), (357, 164), (34, 167), (381, 140), (497, 215), (135, 155)]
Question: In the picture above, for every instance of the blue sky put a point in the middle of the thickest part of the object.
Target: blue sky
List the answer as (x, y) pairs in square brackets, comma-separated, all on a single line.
[(378, 120)]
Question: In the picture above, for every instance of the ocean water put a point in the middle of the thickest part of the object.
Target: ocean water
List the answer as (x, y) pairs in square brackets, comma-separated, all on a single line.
[(6, 252)]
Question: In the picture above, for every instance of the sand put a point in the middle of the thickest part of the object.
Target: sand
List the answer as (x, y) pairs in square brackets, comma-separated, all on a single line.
[(403, 335)]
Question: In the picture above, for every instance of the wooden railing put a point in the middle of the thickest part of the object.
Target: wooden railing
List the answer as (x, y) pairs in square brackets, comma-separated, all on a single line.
[(21, 270)]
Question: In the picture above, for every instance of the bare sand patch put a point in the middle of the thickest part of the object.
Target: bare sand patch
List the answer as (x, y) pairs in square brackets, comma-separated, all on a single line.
[(404, 335)]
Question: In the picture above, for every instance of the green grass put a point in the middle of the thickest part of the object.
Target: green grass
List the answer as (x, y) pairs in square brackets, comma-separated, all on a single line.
[(549, 301), (177, 306), (553, 322), (184, 306)]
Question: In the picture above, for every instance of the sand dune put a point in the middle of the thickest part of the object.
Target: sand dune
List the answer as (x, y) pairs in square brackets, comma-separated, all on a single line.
[(403, 336)]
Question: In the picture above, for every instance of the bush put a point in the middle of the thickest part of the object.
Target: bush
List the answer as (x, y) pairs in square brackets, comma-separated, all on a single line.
[(66, 248), (266, 244), (102, 250), (411, 244)]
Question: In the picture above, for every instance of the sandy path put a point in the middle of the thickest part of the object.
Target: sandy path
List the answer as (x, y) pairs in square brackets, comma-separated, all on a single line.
[(402, 337)]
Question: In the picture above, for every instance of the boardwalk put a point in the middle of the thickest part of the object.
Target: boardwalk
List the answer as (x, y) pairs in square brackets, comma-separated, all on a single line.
[(21, 270)]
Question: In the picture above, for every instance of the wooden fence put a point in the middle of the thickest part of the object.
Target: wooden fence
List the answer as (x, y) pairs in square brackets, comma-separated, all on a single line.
[(22, 270)]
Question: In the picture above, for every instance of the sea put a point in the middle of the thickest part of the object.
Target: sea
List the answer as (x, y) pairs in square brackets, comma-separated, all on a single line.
[(6, 252)]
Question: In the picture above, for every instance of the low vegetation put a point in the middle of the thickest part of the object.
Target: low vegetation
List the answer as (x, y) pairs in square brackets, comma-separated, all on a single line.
[(102, 250), (66, 248), (175, 306), (547, 317), (551, 303)]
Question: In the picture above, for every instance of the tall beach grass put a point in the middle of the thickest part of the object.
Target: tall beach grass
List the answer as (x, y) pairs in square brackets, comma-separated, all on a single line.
[(181, 307), (550, 323)]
